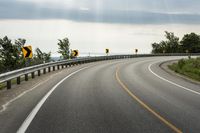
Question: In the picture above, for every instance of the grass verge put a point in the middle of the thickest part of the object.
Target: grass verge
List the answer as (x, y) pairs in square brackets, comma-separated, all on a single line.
[(2, 86), (187, 67)]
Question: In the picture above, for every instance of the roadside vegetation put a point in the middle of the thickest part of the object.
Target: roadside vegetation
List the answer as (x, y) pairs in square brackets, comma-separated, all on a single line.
[(190, 43), (188, 67), (11, 56)]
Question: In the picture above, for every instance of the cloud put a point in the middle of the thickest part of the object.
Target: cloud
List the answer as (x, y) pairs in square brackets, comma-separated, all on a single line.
[(98, 11), (144, 5), (84, 9)]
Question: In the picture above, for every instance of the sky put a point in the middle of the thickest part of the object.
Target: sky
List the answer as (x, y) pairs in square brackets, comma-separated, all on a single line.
[(93, 25)]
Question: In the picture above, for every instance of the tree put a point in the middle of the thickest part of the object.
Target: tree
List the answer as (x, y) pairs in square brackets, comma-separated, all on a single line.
[(11, 56), (39, 54), (8, 54), (42, 56), (191, 43), (156, 47), (19, 44), (47, 56), (171, 45), (64, 48), (1, 66)]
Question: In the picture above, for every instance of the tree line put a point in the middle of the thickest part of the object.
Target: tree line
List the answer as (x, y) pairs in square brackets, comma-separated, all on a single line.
[(11, 56), (190, 43)]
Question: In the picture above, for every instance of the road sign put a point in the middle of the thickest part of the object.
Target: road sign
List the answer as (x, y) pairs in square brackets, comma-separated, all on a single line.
[(75, 53), (107, 51), (136, 51), (27, 51)]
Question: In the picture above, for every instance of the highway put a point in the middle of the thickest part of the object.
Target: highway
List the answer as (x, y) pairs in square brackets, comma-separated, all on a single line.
[(114, 96)]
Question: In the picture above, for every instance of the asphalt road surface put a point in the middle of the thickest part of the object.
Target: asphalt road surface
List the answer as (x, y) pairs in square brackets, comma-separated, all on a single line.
[(118, 96)]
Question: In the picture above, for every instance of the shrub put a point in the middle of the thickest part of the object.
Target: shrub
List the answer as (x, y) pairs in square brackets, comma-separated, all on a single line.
[(181, 63)]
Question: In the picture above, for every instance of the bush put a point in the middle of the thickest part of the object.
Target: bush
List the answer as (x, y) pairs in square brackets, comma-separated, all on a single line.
[(196, 63), (189, 67), (181, 63)]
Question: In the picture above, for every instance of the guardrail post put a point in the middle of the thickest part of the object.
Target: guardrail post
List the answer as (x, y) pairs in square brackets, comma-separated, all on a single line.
[(53, 68), (58, 67), (49, 69), (9, 84), (38, 72), (44, 71), (18, 80), (26, 77), (62, 66), (33, 75)]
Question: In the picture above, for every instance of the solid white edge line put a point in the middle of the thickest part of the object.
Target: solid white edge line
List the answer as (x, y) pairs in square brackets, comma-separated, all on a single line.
[(4, 107), (185, 88), (33, 113)]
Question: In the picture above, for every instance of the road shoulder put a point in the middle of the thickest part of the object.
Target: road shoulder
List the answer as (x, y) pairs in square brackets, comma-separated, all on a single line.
[(8, 96), (164, 66)]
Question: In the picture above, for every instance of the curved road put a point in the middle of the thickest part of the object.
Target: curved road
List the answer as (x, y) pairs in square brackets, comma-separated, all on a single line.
[(119, 96)]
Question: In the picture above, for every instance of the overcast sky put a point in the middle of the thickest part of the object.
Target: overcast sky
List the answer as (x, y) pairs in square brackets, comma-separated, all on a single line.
[(110, 11), (113, 22)]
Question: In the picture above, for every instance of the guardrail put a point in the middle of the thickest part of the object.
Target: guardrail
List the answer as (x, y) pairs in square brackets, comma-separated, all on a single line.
[(17, 74)]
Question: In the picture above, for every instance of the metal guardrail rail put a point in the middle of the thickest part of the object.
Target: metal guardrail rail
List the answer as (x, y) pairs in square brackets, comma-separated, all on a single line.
[(17, 74)]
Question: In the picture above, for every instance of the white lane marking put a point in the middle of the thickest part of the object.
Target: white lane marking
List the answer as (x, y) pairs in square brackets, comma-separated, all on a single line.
[(33, 113), (185, 88), (4, 107)]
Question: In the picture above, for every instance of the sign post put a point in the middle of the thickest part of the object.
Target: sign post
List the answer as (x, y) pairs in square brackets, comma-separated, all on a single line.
[(187, 51)]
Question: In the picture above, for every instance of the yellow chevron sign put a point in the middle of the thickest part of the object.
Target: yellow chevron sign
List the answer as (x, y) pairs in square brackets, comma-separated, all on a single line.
[(136, 51), (107, 51), (75, 53), (27, 51)]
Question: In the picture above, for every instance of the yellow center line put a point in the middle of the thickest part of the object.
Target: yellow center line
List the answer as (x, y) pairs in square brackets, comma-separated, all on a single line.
[(174, 128)]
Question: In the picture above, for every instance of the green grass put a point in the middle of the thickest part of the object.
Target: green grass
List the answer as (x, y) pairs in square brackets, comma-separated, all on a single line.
[(2, 86), (188, 67)]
